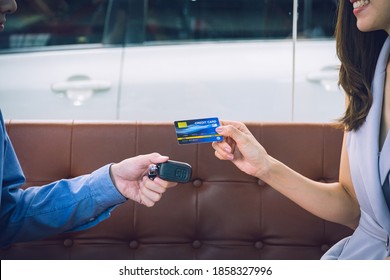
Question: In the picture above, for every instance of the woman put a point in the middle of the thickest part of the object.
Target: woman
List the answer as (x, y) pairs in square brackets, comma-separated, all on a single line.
[(361, 198)]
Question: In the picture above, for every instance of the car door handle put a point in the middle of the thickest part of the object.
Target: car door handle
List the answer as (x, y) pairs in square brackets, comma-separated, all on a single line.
[(95, 85), (80, 88), (330, 72), (328, 77)]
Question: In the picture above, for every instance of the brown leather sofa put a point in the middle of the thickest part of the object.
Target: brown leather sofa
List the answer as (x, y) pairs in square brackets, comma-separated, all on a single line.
[(221, 214)]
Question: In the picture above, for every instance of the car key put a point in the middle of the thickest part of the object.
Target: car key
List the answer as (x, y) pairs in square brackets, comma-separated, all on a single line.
[(174, 171)]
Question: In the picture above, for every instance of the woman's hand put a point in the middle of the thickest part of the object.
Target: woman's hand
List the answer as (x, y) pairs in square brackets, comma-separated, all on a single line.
[(242, 148)]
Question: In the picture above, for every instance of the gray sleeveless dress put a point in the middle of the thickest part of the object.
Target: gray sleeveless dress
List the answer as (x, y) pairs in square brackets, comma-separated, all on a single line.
[(370, 175)]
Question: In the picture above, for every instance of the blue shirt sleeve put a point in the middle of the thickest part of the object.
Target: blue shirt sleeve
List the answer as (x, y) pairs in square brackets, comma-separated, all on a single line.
[(65, 205)]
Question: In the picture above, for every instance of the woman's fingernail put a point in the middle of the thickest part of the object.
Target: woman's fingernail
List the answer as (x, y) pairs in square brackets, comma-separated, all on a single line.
[(219, 129), (230, 157)]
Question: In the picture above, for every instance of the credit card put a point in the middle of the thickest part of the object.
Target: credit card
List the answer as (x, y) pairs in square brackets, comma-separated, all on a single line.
[(197, 131)]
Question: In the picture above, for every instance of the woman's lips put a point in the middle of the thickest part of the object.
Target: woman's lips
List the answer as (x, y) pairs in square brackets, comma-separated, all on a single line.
[(359, 6)]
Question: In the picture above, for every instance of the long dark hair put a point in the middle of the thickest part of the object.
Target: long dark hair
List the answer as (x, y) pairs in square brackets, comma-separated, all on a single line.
[(358, 52)]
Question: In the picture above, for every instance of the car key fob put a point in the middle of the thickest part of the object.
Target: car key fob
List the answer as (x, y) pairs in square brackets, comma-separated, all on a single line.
[(173, 171)]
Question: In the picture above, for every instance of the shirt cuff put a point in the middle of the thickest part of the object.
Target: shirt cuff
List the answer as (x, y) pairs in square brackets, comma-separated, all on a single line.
[(103, 189)]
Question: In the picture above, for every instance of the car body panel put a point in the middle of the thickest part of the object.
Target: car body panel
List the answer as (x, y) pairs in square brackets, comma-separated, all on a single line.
[(162, 61), (26, 88), (229, 80)]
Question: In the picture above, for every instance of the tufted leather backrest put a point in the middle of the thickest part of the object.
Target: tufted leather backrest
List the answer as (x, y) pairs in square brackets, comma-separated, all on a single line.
[(221, 214)]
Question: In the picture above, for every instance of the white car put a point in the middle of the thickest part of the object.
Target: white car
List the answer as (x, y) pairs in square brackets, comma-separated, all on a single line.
[(162, 60)]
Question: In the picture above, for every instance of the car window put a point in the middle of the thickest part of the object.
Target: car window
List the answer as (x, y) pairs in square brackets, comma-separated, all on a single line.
[(40, 23), (317, 18), (195, 20)]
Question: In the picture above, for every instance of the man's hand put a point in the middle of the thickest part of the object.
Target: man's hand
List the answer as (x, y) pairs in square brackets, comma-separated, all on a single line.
[(130, 178)]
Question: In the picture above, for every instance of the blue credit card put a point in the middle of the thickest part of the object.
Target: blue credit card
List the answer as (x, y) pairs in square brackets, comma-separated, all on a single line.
[(197, 131)]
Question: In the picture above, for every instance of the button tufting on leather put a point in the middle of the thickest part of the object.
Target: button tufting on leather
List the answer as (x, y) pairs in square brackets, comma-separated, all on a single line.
[(133, 244), (197, 183), (261, 183), (325, 248), (196, 244), (259, 245), (68, 242)]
